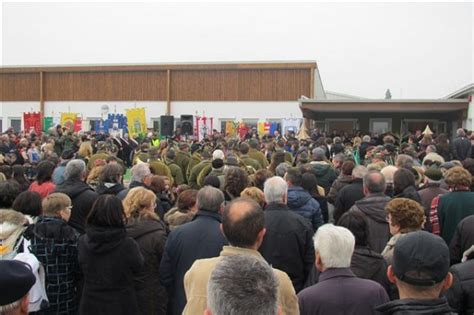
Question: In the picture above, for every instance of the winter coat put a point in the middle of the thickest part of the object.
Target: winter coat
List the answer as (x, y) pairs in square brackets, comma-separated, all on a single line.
[(194, 173), (109, 260), (462, 240), (198, 239), (109, 188), (339, 291), (427, 194), (410, 193), (82, 197), (452, 208), (12, 226), (44, 189), (259, 156), (373, 207), (411, 306), (347, 197), (301, 202), (58, 174), (196, 279), (339, 183), (175, 218), (288, 244), (54, 243), (367, 264), (461, 294), (150, 236), (176, 172), (325, 175), (461, 148)]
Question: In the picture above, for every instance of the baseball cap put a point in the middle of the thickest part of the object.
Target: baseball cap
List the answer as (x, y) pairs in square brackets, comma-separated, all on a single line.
[(16, 279), (421, 258)]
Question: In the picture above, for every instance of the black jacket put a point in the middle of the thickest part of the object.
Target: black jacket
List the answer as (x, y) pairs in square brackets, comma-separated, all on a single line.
[(461, 295), (410, 193), (82, 197), (108, 259), (198, 239), (373, 207), (288, 244), (347, 197), (54, 243), (368, 264), (461, 148), (150, 236), (325, 175), (411, 306), (109, 188), (462, 240)]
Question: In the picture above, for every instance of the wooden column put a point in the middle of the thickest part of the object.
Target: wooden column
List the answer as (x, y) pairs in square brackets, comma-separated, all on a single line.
[(311, 96), (168, 92), (41, 93)]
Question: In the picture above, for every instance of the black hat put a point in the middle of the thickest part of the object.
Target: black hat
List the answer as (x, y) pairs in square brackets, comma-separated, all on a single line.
[(16, 279), (213, 181), (421, 258), (67, 154), (434, 173), (232, 161), (217, 163)]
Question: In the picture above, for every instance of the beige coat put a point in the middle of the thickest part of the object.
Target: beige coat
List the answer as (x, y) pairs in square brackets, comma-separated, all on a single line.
[(196, 279)]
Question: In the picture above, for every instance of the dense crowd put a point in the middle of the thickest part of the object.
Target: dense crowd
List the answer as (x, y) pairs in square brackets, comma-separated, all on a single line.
[(332, 224)]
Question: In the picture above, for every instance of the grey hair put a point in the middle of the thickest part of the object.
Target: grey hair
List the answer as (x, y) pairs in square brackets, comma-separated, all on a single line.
[(281, 169), (460, 132), (374, 181), (75, 169), (242, 284), (339, 157), (335, 246), (9, 308), (319, 154), (359, 171), (366, 138), (210, 199), (275, 188), (404, 160), (140, 172)]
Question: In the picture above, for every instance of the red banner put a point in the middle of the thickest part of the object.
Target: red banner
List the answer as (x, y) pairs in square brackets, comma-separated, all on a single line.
[(32, 121), (78, 124)]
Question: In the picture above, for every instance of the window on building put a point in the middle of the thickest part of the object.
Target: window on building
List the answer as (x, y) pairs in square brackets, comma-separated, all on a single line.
[(380, 125), (15, 123)]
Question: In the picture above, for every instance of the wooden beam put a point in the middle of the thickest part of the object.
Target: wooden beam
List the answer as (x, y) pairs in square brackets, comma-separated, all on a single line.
[(168, 92), (312, 84), (41, 83)]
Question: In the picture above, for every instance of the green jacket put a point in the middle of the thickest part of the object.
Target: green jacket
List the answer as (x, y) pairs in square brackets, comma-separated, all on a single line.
[(182, 160), (176, 172), (248, 161), (193, 161), (192, 180), (452, 208), (143, 156), (160, 168), (260, 157), (203, 174)]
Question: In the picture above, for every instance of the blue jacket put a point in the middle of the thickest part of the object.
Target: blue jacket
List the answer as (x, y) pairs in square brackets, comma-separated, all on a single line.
[(301, 202), (198, 239)]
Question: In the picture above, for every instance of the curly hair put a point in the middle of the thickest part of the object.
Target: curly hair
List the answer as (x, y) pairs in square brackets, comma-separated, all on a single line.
[(139, 203), (255, 194), (406, 213), (235, 180), (94, 174), (458, 176)]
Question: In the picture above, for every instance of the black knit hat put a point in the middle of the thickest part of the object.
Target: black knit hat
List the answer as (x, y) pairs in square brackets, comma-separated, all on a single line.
[(16, 279)]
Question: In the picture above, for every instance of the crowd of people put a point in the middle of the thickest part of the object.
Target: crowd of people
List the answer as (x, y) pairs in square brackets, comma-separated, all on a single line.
[(332, 224)]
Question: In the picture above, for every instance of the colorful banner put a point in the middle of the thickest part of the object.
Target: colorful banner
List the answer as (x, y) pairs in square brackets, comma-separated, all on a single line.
[(136, 121), (78, 124), (68, 120), (47, 123), (242, 130), (273, 128), (231, 128), (263, 128), (204, 126), (32, 121), (115, 124), (290, 125)]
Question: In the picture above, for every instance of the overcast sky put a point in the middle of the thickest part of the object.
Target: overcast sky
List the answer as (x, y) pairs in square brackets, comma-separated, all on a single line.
[(418, 50)]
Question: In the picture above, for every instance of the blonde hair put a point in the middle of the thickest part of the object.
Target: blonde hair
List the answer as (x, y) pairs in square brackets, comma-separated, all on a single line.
[(255, 194), (55, 202), (137, 203), (85, 149), (94, 174)]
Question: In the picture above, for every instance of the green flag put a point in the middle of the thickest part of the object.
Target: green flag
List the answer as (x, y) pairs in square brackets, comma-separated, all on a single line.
[(47, 123)]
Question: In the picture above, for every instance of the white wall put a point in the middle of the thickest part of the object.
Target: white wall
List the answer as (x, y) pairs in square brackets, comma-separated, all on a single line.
[(9, 110), (238, 110)]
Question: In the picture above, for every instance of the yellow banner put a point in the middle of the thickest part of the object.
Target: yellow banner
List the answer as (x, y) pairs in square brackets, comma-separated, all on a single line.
[(136, 121), (230, 129), (68, 120)]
